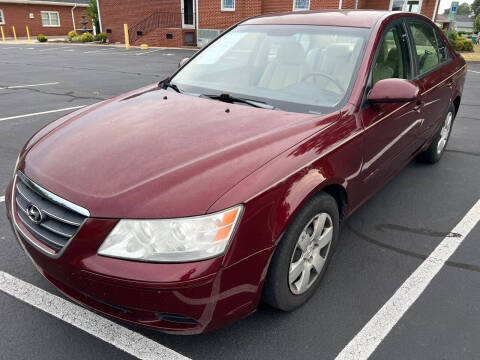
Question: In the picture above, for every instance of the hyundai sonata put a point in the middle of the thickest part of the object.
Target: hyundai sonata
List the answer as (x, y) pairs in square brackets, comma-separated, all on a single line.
[(179, 206)]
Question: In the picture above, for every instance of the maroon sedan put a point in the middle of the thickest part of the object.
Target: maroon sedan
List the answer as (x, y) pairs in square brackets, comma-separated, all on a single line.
[(181, 205)]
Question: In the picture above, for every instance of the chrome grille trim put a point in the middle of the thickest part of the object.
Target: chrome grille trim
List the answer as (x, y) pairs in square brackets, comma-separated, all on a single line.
[(52, 197), (60, 222)]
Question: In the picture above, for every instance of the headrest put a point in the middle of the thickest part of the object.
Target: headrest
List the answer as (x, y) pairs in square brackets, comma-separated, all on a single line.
[(338, 51), (392, 54), (291, 52), (382, 53)]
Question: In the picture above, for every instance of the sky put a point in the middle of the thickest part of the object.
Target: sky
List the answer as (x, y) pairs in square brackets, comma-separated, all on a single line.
[(445, 4)]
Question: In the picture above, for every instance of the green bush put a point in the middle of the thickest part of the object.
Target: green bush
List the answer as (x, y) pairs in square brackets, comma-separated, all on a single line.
[(452, 37), (87, 37), (42, 38), (72, 34), (468, 45), (77, 39), (102, 37), (459, 44), (468, 33), (463, 44)]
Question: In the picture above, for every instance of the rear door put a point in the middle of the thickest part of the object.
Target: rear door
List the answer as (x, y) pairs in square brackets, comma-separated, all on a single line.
[(433, 67), (391, 129)]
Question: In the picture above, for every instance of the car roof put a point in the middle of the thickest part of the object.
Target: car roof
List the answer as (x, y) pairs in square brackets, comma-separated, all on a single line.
[(350, 18)]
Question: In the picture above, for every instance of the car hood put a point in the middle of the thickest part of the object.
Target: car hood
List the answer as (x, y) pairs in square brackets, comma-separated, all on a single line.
[(154, 153)]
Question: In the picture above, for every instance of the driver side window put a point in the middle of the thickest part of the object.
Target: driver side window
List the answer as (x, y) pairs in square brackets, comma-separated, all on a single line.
[(392, 59)]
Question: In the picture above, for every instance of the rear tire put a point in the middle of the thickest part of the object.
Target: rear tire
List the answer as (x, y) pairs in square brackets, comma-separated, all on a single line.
[(436, 149), (303, 254)]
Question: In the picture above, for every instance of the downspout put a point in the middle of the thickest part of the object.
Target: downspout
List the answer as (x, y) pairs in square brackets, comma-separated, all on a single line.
[(435, 11), (73, 18), (340, 3), (99, 17), (356, 4), (196, 21)]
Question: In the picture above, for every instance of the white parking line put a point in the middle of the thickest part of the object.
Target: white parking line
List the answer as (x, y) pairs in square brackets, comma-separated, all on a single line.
[(53, 48), (131, 52), (373, 333), (24, 86), (122, 338), (97, 51), (2, 199), (476, 72), (41, 113), (148, 52)]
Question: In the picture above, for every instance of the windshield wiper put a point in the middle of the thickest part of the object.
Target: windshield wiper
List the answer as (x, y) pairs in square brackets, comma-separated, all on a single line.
[(232, 99), (165, 84)]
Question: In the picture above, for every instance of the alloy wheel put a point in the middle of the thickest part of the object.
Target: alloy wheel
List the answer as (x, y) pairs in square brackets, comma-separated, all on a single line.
[(444, 133), (310, 253)]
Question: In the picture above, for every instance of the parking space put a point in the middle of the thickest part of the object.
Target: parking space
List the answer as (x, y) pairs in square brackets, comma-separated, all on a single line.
[(381, 245)]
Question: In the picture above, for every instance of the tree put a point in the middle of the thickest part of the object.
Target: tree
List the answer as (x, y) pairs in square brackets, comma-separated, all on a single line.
[(92, 13), (476, 24), (476, 7), (464, 9)]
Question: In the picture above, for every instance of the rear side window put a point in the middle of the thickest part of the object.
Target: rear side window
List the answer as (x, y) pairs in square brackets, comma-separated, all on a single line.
[(425, 44), (443, 53)]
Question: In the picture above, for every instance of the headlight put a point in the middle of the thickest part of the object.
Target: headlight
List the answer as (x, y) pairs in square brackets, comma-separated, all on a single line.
[(172, 240), (16, 165)]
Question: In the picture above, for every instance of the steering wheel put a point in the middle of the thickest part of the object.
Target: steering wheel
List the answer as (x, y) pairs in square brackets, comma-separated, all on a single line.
[(326, 76)]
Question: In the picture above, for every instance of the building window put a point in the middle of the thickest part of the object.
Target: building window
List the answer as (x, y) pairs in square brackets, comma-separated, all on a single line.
[(228, 5), (413, 6), (299, 5), (2, 19), (50, 18)]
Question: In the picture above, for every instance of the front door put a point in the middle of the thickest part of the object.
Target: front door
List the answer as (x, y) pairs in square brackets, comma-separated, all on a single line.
[(188, 14), (390, 129)]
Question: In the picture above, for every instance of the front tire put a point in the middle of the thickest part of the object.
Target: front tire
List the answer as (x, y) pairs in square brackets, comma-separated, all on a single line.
[(436, 149), (303, 254)]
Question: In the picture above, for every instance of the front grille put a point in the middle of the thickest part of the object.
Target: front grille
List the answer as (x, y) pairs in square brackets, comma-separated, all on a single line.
[(52, 224)]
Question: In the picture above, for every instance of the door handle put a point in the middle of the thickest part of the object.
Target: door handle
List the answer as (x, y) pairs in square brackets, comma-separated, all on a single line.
[(450, 83)]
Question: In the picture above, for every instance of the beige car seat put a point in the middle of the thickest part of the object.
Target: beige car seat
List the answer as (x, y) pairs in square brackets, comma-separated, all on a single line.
[(287, 68)]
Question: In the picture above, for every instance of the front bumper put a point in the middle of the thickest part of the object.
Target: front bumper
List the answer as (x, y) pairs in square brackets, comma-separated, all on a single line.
[(184, 298)]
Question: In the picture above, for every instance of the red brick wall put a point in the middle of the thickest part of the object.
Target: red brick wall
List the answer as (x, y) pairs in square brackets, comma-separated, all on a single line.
[(211, 15), (287, 5), (115, 13), (428, 6), (158, 37), (18, 15), (374, 4)]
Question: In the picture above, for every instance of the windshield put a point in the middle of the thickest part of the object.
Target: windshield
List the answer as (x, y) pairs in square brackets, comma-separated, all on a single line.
[(300, 68)]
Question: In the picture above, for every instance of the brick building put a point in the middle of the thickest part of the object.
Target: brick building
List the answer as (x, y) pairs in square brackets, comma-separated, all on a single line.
[(178, 23), (51, 18)]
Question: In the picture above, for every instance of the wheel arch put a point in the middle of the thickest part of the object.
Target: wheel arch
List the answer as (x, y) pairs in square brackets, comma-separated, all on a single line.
[(335, 187)]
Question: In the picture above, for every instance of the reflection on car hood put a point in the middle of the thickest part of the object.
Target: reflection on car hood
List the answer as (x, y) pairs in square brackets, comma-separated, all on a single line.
[(154, 153)]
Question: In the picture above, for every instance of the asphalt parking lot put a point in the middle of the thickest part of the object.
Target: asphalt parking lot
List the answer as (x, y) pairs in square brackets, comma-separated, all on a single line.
[(381, 245)]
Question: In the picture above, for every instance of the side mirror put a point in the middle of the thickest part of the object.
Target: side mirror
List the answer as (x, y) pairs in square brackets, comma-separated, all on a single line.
[(183, 61), (393, 91)]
